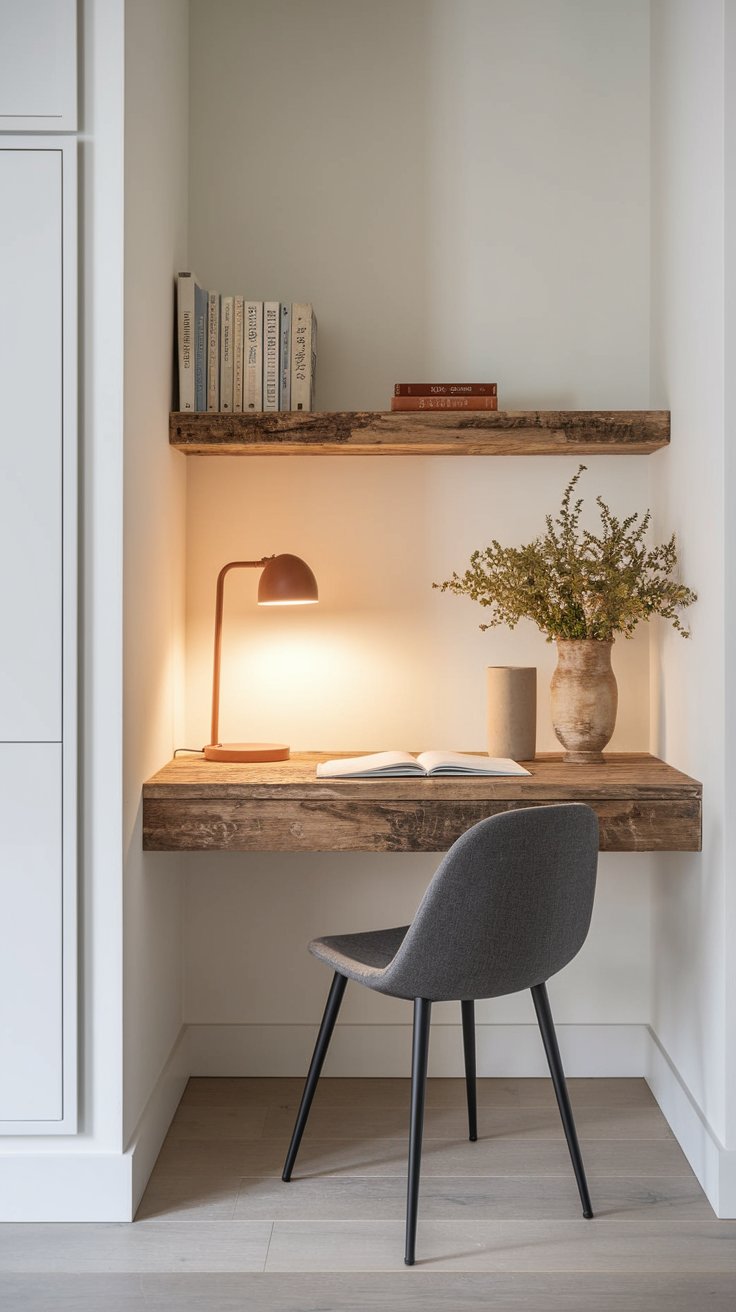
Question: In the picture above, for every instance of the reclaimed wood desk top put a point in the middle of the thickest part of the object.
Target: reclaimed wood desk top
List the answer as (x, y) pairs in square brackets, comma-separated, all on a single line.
[(643, 805)]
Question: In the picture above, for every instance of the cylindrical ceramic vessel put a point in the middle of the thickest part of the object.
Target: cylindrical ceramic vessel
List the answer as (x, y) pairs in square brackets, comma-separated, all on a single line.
[(584, 698), (512, 711)]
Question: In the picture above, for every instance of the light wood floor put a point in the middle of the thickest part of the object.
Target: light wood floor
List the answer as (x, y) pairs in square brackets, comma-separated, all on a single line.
[(500, 1224)]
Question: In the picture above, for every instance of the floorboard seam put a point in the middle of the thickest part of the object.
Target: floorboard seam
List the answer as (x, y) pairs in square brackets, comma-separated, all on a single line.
[(268, 1247)]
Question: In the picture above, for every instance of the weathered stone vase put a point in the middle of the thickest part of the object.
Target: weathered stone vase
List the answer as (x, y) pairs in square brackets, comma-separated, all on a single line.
[(584, 698)]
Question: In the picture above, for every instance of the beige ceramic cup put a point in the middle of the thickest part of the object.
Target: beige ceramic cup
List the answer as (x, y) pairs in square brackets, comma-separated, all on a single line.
[(512, 711)]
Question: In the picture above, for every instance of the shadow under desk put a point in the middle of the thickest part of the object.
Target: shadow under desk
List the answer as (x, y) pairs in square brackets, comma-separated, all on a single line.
[(193, 805)]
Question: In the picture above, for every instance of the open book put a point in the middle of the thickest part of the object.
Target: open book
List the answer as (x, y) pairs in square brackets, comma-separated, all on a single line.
[(394, 765)]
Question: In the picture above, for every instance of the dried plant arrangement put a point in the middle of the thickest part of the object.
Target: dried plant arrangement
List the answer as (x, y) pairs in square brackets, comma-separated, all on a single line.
[(576, 584)]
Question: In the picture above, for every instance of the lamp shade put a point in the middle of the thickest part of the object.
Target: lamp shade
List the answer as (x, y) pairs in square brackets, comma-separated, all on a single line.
[(287, 581)]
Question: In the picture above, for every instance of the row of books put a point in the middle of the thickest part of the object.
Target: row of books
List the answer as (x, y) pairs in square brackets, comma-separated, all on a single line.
[(236, 354), (445, 396)]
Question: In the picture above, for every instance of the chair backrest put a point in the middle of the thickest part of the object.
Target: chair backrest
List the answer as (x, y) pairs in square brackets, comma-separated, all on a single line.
[(509, 906)]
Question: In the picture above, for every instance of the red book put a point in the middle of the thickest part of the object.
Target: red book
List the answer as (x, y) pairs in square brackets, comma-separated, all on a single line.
[(445, 389), (444, 403)]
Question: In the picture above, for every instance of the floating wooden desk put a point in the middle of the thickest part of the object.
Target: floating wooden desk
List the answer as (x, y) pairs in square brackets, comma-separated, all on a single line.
[(191, 805)]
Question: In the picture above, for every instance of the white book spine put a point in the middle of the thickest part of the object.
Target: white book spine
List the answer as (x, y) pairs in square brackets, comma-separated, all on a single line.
[(213, 351), (185, 334), (238, 353), (303, 355), (285, 358), (226, 354), (253, 366), (271, 355)]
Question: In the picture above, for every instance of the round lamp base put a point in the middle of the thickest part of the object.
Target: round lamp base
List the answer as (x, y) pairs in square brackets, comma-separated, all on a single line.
[(246, 752)]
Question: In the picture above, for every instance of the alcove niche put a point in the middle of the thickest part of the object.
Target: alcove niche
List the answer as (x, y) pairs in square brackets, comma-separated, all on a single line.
[(462, 193)]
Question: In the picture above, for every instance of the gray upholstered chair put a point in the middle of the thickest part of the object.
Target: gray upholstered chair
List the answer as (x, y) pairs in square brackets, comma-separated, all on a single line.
[(508, 907)]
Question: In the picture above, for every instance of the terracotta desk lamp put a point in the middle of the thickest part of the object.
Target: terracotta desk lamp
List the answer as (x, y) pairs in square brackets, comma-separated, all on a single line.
[(286, 581)]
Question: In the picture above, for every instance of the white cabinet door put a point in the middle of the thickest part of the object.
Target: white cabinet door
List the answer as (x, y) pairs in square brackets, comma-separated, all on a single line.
[(38, 625), (31, 433), (31, 939), (38, 65)]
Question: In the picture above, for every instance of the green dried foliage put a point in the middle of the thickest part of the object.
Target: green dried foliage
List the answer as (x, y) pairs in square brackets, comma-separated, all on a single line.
[(574, 584)]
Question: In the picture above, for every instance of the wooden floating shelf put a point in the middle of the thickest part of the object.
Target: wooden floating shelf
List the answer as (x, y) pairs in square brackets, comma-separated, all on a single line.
[(438, 433), (193, 805)]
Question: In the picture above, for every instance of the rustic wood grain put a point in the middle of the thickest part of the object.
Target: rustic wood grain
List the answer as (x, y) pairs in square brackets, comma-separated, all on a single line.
[(378, 432), (622, 774), (643, 805)]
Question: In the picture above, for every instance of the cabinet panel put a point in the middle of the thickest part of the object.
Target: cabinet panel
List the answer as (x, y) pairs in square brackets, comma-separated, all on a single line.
[(31, 433), (38, 65), (31, 933)]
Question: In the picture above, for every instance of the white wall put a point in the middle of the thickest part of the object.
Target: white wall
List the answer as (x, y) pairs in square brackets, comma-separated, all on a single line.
[(462, 190), (156, 146), (693, 1017)]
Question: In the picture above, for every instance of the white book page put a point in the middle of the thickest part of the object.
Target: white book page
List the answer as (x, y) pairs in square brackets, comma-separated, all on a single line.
[(462, 763), (383, 764)]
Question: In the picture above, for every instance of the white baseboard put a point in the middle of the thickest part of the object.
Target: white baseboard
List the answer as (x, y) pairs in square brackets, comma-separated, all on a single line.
[(727, 1191), (81, 1186), (157, 1115), (366, 1050), (92, 1186), (714, 1165)]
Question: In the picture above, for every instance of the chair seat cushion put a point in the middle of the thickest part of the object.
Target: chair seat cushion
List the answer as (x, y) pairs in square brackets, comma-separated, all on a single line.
[(363, 957)]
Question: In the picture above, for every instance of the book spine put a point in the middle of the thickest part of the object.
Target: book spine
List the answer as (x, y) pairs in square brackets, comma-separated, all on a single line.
[(445, 389), (253, 350), (185, 337), (226, 354), (200, 348), (271, 355), (303, 356), (238, 353), (285, 363), (444, 403), (313, 379), (213, 351)]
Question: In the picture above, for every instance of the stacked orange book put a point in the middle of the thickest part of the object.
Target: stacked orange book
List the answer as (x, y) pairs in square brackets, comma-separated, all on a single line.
[(445, 396)]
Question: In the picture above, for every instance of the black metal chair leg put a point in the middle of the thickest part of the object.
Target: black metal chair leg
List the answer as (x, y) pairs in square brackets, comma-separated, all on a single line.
[(332, 1007), (468, 1012), (420, 1052), (549, 1038)]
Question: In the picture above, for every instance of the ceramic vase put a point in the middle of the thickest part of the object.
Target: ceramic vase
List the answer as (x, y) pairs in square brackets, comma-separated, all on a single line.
[(584, 698)]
